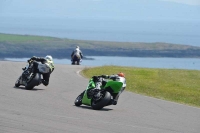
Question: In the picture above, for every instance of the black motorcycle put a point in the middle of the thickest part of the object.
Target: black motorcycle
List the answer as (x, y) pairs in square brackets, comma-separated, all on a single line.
[(29, 79)]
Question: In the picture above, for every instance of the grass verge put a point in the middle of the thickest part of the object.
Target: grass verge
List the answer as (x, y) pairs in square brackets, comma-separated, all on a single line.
[(181, 86)]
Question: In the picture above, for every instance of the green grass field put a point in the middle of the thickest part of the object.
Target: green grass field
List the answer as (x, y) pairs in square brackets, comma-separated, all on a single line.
[(21, 46), (23, 38), (181, 86)]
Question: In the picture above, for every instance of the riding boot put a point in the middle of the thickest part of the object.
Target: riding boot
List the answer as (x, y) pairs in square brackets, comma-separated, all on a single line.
[(45, 83), (111, 102), (114, 102), (115, 98)]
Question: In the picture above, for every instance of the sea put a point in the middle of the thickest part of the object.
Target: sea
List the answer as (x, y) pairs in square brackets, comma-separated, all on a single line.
[(186, 33), (166, 63)]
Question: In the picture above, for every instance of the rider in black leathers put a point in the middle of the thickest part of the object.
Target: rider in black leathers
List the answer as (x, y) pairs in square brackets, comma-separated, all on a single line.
[(76, 55), (46, 67)]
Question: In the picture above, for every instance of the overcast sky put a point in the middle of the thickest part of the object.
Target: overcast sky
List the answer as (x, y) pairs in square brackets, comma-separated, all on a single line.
[(103, 9)]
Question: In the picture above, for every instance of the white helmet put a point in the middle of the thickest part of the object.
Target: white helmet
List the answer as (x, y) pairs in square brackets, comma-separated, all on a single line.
[(49, 57)]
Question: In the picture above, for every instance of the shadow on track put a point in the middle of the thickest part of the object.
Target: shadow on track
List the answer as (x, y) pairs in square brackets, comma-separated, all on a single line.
[(23, 88), (88, 107)]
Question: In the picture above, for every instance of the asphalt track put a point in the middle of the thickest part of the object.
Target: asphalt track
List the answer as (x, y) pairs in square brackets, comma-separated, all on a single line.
[(51, 109)]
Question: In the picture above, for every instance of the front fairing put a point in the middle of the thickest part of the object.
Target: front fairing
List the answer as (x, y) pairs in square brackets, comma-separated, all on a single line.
[(91, 84), (86, 100), (28, 74)]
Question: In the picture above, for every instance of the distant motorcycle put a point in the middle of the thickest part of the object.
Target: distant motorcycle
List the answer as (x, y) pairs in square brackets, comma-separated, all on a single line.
[(28, 78), (76, 60), (98, 98)]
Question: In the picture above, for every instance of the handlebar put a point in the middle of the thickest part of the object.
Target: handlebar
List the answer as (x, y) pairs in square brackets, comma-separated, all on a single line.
[(30, 61)]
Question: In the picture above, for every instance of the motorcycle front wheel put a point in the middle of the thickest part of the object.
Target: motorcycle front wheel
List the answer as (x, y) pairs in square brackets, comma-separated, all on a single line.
[(17, 84), (78, 100)]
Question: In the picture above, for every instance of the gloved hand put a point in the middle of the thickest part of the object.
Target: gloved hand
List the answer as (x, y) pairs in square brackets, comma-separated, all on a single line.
[(28, 60), (105, 76), (33, 58)]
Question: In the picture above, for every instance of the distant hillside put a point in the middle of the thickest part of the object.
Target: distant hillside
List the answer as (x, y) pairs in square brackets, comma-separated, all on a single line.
[(19, 46)]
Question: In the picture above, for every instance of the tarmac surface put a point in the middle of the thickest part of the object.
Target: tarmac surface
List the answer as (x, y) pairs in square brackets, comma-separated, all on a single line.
[(51, 109)]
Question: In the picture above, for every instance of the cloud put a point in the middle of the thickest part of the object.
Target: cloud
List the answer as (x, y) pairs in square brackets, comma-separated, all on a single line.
[(188, 2)]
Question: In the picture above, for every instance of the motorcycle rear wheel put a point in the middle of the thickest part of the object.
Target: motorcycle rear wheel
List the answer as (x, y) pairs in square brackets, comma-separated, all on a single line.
[(97, 105), (33, 81)]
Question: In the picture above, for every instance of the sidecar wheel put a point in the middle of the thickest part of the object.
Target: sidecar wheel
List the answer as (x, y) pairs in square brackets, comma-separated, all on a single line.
[(78, 100), (103, 102)]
